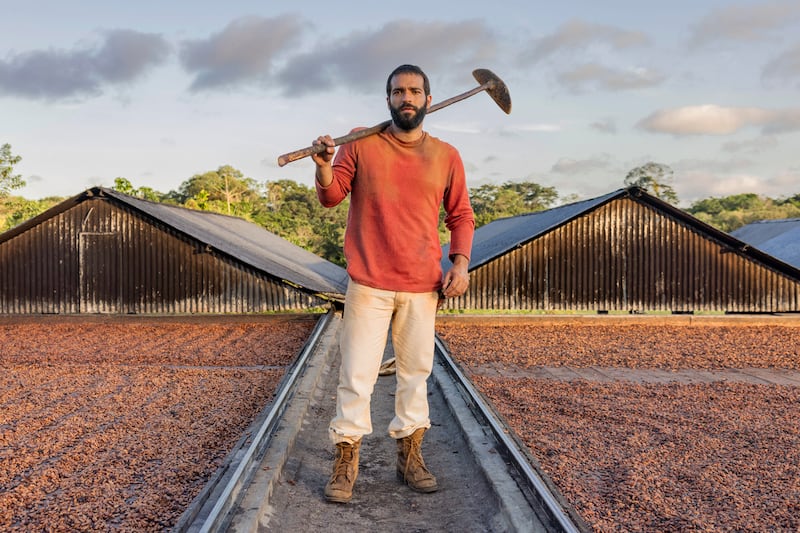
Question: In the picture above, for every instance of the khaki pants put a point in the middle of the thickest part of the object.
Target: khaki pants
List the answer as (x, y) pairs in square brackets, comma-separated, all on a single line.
[(368, 313)]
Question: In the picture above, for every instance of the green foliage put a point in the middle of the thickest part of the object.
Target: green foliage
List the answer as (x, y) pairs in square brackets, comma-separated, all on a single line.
[(224, 190), (293, 211), (124, 186), (792, 200), (8, 180), (146, 193), (731, 212), (490, 202), (655, 178), (736, 202), (15, 209)]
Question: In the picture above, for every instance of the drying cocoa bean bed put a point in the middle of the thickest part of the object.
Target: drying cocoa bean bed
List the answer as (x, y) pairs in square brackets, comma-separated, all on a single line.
[(638, 456), (118, 424)]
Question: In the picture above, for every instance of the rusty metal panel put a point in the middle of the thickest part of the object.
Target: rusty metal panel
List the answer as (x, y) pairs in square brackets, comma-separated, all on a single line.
[(39, 270), (102, 257), (627, 256)]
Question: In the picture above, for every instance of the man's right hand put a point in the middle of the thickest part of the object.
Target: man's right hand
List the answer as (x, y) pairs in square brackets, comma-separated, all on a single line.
[(324, 157), (324, 173)]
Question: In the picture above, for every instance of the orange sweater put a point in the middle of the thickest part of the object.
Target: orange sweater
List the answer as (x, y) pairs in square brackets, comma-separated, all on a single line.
[(391, 240)]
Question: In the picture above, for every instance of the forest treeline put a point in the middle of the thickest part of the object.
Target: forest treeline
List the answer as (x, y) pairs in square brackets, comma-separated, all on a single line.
[(292, 211)]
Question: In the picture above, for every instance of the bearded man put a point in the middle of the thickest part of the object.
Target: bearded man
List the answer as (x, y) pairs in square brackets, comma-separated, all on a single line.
[(397, 180)]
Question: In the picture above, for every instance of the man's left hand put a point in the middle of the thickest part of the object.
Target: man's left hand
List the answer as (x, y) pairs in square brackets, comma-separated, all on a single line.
[(456, 280)]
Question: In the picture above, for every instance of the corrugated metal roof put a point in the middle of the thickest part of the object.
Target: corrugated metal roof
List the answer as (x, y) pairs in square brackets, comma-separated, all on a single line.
[(780, 238), (503, 235), (232, 236)]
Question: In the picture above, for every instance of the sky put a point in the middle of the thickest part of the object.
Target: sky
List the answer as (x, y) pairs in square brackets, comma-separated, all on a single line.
[(157, 92)]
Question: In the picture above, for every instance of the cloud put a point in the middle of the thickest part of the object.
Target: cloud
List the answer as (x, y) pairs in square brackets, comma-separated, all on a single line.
[(743, 22), (126, 54), (530, 128), (586, 40), (785, 182), (606, 125), (701, 178), (590, 165), (592, 74), (784, 67), (577, 35), (783, 121), (715, 166), (718, 120), (243, 52), (122, 57), (693, 185), (461, 127), (752, 146), (363, 59)]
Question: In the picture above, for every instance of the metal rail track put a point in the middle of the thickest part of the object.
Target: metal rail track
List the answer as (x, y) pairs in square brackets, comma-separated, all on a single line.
[(212, 510)]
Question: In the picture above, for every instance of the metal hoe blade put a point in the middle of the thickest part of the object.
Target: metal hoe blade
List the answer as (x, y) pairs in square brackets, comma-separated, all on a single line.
[(495, 87)]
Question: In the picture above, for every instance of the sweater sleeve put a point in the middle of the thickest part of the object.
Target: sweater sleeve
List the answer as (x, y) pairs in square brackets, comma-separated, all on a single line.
[(459, 218), (344, 167)]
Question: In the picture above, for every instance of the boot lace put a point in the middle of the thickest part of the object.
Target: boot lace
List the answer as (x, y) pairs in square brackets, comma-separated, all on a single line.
[(344, 462), (414, 455)]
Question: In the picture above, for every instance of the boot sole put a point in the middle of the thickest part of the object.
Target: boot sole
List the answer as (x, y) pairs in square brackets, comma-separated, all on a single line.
[(423, 490), (338, 499)]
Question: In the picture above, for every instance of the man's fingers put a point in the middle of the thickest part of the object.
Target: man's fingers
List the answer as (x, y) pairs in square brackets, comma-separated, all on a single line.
[(455, 288)]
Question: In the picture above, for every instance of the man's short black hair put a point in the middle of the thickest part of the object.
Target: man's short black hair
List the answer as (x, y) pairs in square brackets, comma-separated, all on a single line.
[(408, 69)]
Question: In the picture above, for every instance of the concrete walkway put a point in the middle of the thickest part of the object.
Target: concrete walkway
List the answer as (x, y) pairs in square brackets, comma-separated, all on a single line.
[(287, 493)]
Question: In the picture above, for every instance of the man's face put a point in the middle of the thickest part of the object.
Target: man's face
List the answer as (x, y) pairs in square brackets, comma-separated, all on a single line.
[(407, 100)]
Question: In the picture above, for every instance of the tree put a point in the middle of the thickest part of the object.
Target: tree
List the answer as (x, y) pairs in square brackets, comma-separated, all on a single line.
[(731, 212), (655, 178), (292, 211), (148, 193), (224, 190), (490, 202), (124, 186), (792, 200), (15, 210), (8, 180)]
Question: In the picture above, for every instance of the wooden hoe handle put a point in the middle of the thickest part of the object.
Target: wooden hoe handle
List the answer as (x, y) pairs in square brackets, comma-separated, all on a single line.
[(344, 139)]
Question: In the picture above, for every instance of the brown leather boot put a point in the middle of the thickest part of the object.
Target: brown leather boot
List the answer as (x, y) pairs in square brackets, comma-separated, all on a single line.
[(411, 467), (345, 470)]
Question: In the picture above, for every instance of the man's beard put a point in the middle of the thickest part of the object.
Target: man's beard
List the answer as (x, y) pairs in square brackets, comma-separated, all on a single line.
[(408, 123)]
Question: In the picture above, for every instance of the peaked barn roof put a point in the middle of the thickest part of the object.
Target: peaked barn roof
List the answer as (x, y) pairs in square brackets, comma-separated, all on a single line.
[(780, 238), (234, 237), (503, 235)]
